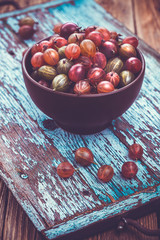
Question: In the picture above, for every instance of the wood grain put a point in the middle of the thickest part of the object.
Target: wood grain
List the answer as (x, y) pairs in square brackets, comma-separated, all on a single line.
[(13, 212)]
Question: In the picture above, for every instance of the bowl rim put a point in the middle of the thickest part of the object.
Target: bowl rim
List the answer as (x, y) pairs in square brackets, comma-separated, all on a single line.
[(97, 95)]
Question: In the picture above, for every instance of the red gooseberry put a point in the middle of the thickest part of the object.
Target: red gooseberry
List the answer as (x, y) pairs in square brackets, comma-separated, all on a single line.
[(113, 77), (76, 72), (82, 87), (99, 60), (59, 42), (90, 29), (35, 48), (126, 50), (84, 156), (133, 65), (131, 40), (72, 51), (105, 173), (129, 169), (44, 45), (51, 56), (65, 170), (109, 49), (76, 38), (37, 60), (67, 29), (105, 87), (85, 61), (105, 33), (95, 75), (57, 27), (96, 37), (135, 151), (88, 48), (26, 31)]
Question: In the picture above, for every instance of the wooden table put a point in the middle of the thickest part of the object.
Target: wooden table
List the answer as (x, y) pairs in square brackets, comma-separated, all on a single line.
[(16, 224)]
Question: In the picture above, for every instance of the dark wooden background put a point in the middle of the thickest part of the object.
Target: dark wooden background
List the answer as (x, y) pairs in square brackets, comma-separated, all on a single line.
[(142, 17)]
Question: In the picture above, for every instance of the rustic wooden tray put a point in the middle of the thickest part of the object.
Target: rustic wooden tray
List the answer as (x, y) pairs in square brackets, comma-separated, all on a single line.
[(31, 147)]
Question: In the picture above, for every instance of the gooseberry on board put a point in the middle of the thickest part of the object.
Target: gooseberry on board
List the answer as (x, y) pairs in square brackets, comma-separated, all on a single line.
[(57, 28), (135, 151), (105, 173), (129, 169), (65, 170), (26, 31), (84, 156)]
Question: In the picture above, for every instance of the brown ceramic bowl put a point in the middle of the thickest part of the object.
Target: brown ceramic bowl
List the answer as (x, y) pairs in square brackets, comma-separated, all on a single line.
[(85, 114)]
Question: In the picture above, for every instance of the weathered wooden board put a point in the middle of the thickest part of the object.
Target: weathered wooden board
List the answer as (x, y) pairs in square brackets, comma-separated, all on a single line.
[(31, 148)]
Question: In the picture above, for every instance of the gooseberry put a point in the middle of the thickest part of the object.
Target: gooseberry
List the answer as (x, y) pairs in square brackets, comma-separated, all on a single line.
[(59, 42), (114, 65), (105, 173), (67, 29), (51, 56), (85, 61), (84, 156), (37, 60), (82, 87), (60, 83), (26, 31), (95, 75), (99, 60), (113, 77), (109, 49), (35, 48), (90, 29), (26, 21), (129, 169), (126, 77), (105, 33), (76, 72), (76, 38), (65, 170), (95, 37), (44, 83), (135, 151), (72, 51), (126, 50), (57, 28), (88, 48), (64, 65), (44, 45), (105, 87), (133, 65), (131, 40)]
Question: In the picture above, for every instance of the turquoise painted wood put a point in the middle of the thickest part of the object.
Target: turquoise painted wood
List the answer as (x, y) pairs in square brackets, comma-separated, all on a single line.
[(31, 149)]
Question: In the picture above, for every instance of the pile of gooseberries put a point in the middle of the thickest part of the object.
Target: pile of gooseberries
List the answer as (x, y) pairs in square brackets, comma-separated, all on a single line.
[(85, 61), (26, 27), (85, 157)]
